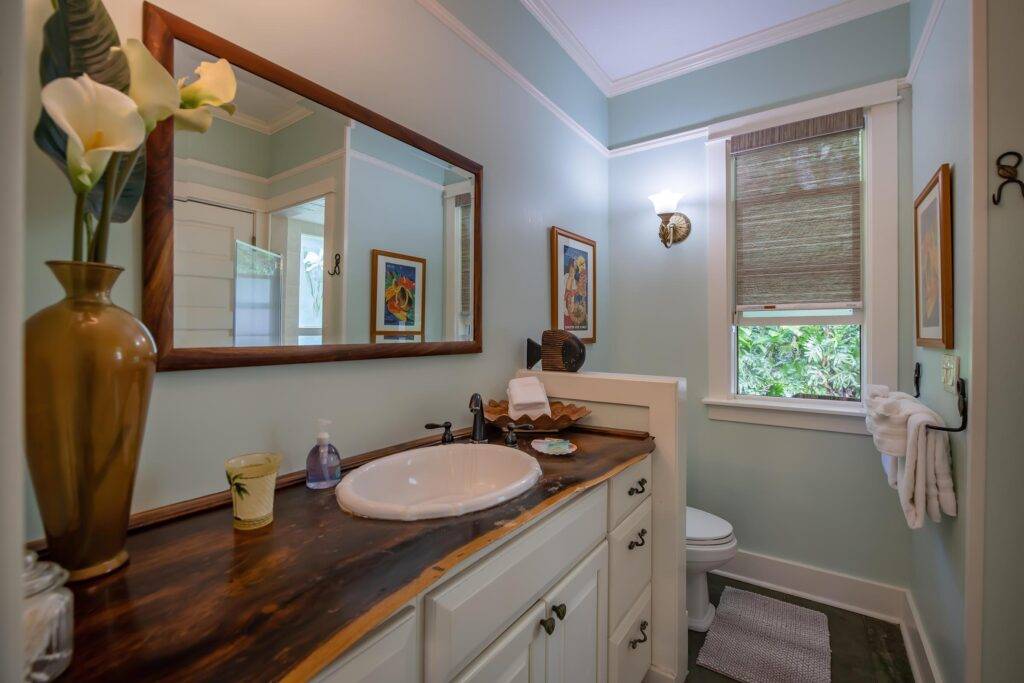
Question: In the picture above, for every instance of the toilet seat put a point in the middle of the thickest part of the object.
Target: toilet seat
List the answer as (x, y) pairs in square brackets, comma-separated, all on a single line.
[(706, 529)]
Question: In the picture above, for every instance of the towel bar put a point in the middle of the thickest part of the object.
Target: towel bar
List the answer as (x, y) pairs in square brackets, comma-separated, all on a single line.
[(961, 406)]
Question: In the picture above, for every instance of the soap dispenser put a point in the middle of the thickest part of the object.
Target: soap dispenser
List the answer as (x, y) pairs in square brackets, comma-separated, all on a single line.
[(323, 464)]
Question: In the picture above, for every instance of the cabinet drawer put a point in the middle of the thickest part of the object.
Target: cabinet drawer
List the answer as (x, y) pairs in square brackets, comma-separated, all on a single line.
[(629, 553), (391, 653), (629, 648), (471, 611), (627, 490)]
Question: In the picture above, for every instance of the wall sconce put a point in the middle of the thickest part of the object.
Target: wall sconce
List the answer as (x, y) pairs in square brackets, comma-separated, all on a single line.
[(675, 227)]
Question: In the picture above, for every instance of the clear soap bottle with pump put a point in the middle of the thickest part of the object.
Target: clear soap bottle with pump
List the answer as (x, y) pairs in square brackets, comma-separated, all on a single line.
[(323, 464)]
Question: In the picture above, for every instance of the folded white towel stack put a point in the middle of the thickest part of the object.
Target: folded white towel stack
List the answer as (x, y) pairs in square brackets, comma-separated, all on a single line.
[(527, 396), (915, 459)]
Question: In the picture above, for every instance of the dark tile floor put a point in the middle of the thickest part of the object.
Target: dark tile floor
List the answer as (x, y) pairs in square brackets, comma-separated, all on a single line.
[(863, 649)]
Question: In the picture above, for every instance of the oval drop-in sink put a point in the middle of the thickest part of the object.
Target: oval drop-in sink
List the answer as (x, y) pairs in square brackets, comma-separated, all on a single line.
[(437, 481)]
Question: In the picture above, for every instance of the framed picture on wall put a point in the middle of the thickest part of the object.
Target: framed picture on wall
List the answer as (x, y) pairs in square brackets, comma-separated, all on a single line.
[(933, 261), (574, 284), (398, 292)]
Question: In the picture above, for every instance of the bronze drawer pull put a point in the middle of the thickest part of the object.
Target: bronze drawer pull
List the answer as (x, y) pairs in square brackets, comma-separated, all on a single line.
[(642, 542), (643, 632), (559, 611), (634, 491), (548, 625)]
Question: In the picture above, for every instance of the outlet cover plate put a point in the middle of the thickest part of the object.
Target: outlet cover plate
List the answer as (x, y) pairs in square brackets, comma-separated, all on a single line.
[(950, 371)]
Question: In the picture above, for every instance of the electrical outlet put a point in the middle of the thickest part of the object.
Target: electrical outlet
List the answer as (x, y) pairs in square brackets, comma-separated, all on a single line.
[(950, 372)]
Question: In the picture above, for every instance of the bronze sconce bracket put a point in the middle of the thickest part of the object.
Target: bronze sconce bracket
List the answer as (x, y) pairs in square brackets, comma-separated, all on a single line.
[(675, 227)]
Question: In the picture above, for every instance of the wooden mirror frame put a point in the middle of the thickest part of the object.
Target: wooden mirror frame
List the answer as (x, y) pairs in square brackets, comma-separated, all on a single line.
[(160, 29)]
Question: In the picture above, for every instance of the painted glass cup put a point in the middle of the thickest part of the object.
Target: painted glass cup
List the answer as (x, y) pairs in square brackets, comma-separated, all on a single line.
[(251, 479)]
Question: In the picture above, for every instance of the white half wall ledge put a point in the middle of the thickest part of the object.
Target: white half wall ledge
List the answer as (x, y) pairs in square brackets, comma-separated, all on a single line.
[(665, 401), (874, 599)]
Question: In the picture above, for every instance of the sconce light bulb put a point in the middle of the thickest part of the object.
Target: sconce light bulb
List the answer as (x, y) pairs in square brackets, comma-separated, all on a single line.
[(665, 201)]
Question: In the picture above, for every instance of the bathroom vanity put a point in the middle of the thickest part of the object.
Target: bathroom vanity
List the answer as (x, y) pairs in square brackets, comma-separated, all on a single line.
[(554, 583)]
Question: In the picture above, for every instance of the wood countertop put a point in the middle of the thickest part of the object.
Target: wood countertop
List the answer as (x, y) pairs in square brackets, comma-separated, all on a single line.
[(200, 601)]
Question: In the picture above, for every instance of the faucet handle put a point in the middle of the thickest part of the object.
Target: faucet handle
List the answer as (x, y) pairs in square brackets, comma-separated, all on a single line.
[(446, 426), (476, 403), (510, 433)]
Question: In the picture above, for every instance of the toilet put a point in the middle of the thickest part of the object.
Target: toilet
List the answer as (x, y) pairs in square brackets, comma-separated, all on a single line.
[(710, 543)]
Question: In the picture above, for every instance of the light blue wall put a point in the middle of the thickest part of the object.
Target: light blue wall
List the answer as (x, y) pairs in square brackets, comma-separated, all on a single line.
[(229, 145), (941, 122), (395, 58), (857, 53), (318, 134), (511, 31), (411, 225), (919, 10), (806, 496), (1003, 657)]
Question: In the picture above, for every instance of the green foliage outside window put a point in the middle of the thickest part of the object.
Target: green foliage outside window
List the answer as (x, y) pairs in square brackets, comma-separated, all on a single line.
[(803, 361)]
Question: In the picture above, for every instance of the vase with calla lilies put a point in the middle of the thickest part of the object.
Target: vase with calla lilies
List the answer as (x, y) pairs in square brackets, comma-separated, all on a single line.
[(89, 364)]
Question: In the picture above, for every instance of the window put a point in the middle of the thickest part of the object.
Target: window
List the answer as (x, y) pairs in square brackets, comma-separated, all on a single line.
[(797, 195), (802, 261)]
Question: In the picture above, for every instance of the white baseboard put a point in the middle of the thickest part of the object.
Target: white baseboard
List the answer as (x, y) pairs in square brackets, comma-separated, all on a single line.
[(870, 598)]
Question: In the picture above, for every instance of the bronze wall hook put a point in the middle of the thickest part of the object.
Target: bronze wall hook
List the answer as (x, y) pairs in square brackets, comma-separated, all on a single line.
[(1009, 173)]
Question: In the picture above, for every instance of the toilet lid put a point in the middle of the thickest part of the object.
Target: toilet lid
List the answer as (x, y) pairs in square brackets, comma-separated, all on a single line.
[(704, 526)]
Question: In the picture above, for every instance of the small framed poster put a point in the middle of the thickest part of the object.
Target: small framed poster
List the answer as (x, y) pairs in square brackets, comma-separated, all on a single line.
[(398, 291), (933, 262), (574, 284)]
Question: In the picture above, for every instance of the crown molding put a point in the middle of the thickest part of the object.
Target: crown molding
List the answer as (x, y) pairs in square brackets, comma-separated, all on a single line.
[(485, 51), (759, 40), (922, 42), (572, 46), (294, 114), (700, 133)]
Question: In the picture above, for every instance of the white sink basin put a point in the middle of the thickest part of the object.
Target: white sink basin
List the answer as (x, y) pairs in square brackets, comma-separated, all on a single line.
[(437, 481)]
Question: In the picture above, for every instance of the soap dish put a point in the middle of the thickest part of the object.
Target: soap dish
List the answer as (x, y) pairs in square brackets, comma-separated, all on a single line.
[(553, 446), (563, 416)]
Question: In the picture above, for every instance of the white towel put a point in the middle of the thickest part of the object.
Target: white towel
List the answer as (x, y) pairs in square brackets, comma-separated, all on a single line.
[(526, 396), (924, 476), (887, 422)]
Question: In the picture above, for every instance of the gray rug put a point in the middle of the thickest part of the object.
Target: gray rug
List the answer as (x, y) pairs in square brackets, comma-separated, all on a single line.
[(757, 639)]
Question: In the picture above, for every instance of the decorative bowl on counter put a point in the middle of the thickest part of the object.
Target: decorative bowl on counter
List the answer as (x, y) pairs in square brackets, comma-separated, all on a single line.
[(563, 416)]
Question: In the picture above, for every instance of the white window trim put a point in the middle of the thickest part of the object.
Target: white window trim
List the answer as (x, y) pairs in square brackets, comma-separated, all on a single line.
[(881, 267)]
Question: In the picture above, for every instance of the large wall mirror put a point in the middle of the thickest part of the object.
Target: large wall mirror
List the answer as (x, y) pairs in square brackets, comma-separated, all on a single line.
[(304, 227)]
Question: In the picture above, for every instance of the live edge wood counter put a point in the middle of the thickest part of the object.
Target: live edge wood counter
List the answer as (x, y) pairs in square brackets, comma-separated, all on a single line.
[(199, 601)]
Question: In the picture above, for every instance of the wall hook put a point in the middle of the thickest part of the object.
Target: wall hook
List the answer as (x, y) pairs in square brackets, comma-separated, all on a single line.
[(336, 270), (1009, 173), (917, 380)]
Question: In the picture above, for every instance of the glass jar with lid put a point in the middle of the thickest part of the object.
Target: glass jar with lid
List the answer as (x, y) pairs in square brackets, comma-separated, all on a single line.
[(47, 619)]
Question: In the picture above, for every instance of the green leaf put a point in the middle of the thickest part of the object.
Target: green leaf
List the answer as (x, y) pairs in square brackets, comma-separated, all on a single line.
[(77, 39)]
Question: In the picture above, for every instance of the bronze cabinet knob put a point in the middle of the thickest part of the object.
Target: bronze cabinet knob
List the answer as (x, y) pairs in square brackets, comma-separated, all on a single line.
[(559, 611), (641, 487), (643, 639), (548, 625)]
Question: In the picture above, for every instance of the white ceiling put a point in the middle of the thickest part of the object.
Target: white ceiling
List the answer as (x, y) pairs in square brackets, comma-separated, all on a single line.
[(627, 44)]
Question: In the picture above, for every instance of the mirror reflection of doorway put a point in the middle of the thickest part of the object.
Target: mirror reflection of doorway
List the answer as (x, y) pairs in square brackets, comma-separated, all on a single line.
[(297, 233)]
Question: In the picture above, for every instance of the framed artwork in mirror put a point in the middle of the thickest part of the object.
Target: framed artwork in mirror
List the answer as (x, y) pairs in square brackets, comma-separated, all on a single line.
[(398, 293), (933, 262), (574, 284), (260, 244)]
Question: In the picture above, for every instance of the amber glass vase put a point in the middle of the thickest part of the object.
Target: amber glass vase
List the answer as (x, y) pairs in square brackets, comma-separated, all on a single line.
[(88, 374)]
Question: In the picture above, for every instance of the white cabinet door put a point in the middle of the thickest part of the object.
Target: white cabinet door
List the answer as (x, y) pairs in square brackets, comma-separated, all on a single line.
[(576, 649), (517, 656), (390, 653)]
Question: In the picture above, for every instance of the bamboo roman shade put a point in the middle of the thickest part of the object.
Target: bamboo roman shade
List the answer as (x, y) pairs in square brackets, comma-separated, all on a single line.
[(797, 213), (465, 204)]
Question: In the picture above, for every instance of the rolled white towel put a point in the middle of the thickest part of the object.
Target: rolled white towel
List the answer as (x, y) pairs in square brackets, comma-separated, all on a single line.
[(527, 396)]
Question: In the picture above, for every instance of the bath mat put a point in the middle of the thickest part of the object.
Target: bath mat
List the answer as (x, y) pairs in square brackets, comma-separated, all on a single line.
[(758, 639)]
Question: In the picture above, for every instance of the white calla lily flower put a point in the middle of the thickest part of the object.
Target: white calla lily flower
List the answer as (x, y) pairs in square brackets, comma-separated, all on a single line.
[(153, 89), (98, 120), (215, 87)]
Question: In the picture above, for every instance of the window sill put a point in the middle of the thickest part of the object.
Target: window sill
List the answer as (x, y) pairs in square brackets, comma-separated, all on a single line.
[(827, 416)]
